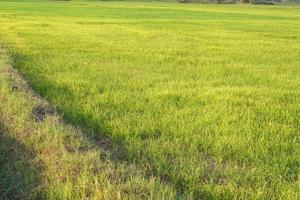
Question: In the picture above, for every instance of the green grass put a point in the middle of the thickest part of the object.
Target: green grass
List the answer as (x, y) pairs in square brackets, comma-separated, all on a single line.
[(45, 158), (205, 98)]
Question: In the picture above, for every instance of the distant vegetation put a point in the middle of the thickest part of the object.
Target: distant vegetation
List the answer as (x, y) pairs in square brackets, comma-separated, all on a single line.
[(267, 2), (149, 100)]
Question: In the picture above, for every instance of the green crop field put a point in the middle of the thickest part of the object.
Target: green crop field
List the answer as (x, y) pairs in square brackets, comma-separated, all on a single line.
[(188, 101)]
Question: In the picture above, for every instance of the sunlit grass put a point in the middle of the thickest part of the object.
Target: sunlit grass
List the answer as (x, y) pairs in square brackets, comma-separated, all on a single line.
[(206, 97)]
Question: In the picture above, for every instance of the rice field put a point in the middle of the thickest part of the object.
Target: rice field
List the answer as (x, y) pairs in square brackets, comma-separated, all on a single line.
[(204, 100)]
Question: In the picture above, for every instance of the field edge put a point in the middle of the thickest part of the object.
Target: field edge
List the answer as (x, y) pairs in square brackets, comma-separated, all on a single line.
[(50, 159)]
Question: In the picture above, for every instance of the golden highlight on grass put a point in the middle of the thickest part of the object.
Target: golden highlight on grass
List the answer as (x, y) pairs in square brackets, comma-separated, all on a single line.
[(202, 99)]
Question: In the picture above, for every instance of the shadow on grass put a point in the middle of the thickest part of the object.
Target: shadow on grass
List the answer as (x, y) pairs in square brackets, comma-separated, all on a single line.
[(19, 174), (94, 129)]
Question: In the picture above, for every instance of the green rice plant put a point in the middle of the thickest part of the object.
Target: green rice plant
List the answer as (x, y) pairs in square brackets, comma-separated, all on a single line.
[(205, 98)]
